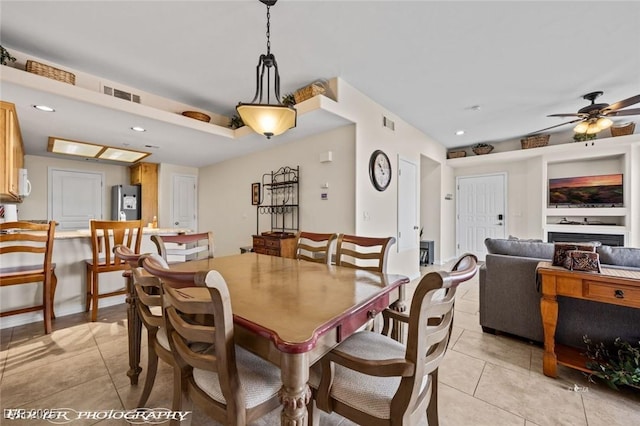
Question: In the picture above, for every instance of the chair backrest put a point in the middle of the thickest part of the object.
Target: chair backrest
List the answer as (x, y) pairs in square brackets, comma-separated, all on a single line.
[(158, 267), (30, 243), (188, 246), (367, 253), (107, 234), (314, 247), (430, 322), (214, 328)]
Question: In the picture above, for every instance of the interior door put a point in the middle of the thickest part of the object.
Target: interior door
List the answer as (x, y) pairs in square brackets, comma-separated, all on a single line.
[(408, 229), (183, 203), (481, 212), (75, 197)]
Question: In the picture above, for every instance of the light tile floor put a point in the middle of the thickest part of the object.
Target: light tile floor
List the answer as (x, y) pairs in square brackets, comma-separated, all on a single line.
[(484, 379)]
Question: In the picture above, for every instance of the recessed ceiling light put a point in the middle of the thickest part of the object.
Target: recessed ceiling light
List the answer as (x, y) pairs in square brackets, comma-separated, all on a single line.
[(459, 132), (138, 129), (44, 108)]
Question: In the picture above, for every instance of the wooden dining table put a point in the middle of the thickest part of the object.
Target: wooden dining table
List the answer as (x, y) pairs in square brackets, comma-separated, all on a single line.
[(293, 312)]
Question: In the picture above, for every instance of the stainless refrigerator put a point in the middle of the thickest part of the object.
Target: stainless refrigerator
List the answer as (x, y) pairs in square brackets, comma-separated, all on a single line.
[(125, 199)]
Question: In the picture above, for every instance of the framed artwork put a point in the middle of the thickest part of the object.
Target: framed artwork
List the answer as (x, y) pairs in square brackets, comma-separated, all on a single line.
[(255, 193)]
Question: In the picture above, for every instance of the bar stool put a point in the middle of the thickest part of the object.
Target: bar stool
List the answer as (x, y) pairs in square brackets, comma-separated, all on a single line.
[(108, 234)]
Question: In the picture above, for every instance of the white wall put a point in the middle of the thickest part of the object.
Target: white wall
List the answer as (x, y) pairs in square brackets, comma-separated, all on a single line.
[(431, 206), (224, 189), (34, 207)]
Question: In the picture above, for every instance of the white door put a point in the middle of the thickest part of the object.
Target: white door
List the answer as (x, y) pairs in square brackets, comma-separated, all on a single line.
[(481, 212), (75, 197), (408, 229), (183, 202)]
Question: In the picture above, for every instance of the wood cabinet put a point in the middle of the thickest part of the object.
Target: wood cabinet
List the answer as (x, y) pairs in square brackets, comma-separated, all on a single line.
[(146, 175), (275, 244), (12, 153)]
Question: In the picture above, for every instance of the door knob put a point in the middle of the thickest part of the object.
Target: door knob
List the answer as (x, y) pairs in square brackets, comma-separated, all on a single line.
[(177, 223), (415, 227), (499, 223)]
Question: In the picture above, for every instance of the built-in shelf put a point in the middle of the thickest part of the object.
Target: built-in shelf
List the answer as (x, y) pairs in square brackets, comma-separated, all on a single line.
[(586, 212)]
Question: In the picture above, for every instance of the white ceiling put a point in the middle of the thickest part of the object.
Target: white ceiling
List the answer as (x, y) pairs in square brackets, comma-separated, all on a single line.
[(427, 62)]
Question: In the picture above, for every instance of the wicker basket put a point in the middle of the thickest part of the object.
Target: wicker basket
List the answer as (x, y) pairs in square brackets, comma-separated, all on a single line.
[(535, 141), (197, 115), (308, 92), (623, 129), (50, 72), (456, 154), (481, 150)]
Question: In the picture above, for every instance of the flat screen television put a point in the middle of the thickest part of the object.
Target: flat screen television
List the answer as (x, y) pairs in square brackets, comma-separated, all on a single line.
[(586, 191)]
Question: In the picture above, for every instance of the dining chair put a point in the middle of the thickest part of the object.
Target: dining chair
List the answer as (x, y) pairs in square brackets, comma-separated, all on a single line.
[(230, 384), (30, 247), (187, 246), (314, 247), (368, 253), (105, 235), (372, 379)]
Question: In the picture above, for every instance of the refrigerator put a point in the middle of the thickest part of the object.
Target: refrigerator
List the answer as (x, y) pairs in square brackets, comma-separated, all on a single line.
[(125, 202)]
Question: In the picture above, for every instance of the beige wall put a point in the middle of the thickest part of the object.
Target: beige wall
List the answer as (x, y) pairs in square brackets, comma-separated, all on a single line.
[(34, 207), (224, 189)]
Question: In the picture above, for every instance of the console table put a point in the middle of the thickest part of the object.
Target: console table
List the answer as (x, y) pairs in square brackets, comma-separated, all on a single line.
[(616, 286)]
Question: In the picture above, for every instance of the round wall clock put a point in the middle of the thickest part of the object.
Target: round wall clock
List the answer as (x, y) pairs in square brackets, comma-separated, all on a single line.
[(380, 170)]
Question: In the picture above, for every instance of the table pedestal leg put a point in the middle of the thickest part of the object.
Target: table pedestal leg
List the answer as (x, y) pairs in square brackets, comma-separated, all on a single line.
[(549, 311), (295, 393), (134, 329), (398, 330)]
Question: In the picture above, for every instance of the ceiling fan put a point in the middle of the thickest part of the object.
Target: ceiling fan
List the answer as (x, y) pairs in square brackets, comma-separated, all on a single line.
[(594, 118)]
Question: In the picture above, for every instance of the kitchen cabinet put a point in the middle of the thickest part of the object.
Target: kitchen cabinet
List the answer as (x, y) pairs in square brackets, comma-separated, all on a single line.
[(146, 175), (12, 153)]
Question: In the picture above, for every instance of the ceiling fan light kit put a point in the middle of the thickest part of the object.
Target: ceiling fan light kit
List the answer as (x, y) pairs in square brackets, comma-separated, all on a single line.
[(267, 118)]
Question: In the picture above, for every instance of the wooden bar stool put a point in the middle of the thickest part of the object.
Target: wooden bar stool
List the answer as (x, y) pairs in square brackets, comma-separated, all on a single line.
[(104, 236), (31, 247)]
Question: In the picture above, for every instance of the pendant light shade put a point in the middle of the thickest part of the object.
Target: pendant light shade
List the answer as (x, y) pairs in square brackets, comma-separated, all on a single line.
[(266, 118)]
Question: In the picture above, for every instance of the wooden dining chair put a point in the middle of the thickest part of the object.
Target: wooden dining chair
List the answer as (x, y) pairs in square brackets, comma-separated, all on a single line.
[(29, 246), (372, 379), (368, 253), (314, 247), (105, 235), (230, 384), (186, 246)]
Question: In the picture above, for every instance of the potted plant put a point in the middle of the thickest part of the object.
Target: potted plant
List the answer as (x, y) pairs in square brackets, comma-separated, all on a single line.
[(581, 137), (5, 56), (617, 364), (236, 122), (288, 99), (482, 148)]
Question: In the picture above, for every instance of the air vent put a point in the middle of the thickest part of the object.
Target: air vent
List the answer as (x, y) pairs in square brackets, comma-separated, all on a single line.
[(388, 123), (121, 94)]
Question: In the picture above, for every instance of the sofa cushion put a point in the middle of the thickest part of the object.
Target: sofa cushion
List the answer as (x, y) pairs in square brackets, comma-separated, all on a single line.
[(620, 256), (520, 248)]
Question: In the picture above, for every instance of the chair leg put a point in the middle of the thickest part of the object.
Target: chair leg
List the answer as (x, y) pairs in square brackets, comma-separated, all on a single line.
[(89, 274), (432, 408), (46, 303), (54, 284), (180, 397), (94, 297), (152, 368)]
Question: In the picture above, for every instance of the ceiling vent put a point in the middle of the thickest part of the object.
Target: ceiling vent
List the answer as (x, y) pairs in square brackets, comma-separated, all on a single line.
[(121, 94)]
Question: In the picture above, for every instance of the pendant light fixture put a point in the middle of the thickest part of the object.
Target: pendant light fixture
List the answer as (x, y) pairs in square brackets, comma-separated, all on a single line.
[(269, 119)]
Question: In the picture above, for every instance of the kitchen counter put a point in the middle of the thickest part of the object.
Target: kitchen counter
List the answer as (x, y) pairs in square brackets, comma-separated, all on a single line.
[(86, 233)]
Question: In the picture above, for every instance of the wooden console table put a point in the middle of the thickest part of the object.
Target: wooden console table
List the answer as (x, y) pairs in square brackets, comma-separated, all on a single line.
[(616, 286)]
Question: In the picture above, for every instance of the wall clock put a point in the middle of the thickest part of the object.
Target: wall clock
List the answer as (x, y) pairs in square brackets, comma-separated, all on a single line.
[(380, 170)]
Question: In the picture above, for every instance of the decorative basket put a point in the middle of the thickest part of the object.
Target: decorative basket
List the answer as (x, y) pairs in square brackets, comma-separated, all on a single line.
[(481, 150), (308, 92), (535, 141), (197, 115), (50, 72), (456, 154), (623, 129)]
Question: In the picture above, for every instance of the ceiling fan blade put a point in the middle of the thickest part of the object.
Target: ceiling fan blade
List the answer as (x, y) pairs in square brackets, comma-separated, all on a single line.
[(623, 104), (634, 111), (553, 127), (566, 115)]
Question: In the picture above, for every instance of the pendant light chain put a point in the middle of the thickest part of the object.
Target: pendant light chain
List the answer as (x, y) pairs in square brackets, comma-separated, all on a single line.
[(268, 30)]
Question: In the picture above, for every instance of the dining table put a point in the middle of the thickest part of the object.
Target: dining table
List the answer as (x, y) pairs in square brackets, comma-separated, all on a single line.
[(292, 312)]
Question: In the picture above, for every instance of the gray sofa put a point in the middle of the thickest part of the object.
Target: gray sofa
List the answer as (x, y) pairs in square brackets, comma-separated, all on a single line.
[(510, 299)]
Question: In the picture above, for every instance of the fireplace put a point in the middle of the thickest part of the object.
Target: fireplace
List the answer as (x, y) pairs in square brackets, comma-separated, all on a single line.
[(605, 239)]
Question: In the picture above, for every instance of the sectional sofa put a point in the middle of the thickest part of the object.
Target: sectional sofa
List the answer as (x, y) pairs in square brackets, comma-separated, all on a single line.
[(510, 297)]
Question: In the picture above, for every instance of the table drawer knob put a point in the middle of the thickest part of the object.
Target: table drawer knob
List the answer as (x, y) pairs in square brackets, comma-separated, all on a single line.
[(619, 294), (371, 314)]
